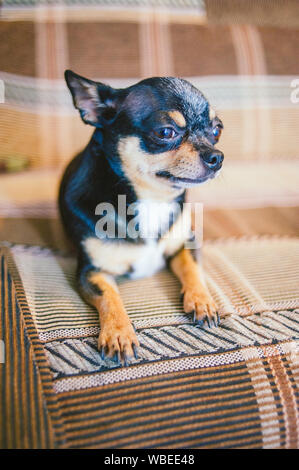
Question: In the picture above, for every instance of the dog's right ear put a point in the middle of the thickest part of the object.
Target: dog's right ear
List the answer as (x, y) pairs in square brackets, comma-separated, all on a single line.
[(95, 101)]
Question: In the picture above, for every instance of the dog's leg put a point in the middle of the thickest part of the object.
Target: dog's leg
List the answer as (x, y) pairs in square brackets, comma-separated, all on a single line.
[(117, 338), (197, 299)]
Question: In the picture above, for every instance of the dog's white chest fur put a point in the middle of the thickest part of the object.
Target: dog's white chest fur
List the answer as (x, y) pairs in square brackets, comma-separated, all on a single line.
[(142, 259), (153, 219), (150, 261)]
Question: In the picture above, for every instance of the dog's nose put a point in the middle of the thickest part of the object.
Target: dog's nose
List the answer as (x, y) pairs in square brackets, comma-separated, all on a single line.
[(213, 160)]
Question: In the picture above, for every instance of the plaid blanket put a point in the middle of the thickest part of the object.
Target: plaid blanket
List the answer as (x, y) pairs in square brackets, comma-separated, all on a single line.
[(230, 387)]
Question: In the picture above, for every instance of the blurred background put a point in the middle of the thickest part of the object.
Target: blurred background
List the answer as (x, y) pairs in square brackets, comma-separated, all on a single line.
[(242, 55)]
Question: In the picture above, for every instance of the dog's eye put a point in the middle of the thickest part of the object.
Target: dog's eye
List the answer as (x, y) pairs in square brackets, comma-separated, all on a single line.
[(217, 132), (166, 133)]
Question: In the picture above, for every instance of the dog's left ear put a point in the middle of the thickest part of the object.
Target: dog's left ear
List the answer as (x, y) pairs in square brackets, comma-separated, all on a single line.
[(95, 101)]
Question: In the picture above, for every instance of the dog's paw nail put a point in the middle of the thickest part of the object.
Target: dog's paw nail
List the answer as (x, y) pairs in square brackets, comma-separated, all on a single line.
[(218, 318), (135, 351), (206, 318), (102, 353), (116, 357), (125, 360)]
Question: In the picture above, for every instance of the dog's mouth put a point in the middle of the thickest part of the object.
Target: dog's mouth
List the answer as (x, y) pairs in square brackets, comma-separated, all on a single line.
[(181, 181)]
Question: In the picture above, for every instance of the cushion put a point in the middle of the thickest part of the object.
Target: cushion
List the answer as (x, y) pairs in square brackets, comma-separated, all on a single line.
[(233, 386)]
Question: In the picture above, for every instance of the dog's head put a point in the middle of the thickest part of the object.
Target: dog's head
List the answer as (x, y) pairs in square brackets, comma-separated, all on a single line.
[(161, 133)]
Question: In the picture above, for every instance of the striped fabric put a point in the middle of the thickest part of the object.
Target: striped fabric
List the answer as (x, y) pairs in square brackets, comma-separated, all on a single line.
[(175, 409), (24, 417), (231, 387), (248, 70)]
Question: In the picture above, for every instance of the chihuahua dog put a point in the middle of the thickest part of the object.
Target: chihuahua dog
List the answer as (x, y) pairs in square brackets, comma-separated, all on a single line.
[(151, 141)]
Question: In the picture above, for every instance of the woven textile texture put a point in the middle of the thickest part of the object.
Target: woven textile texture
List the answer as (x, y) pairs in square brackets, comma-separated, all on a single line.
[(233, 387), (247, 69)]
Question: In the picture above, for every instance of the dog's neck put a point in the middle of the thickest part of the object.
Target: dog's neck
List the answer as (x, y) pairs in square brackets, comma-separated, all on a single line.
[(155, 213)]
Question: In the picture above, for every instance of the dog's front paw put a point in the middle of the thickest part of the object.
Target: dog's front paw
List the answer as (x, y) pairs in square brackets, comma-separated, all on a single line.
[(200, 304), (118, 342)]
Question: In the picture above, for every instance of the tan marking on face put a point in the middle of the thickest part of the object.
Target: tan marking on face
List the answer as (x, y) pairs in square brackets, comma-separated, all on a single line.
[(141, 167), (187, 150), (186, 163), (178, 118)]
